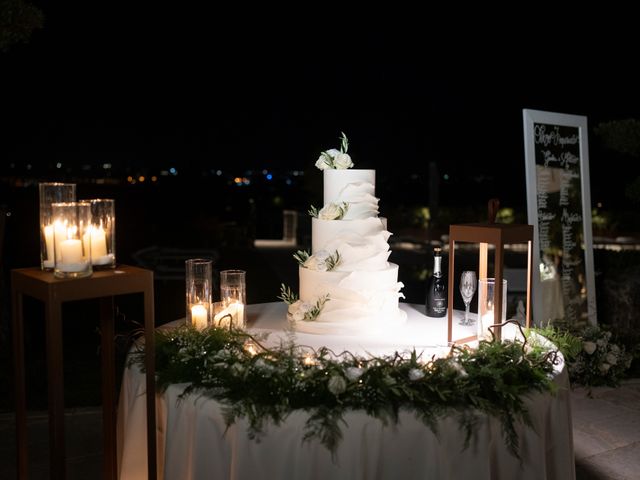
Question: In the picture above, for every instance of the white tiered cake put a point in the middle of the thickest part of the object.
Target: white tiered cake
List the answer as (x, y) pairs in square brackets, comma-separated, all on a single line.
[(347, 285)]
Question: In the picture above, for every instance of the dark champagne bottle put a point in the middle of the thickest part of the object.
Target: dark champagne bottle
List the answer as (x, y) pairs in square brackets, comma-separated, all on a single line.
[(437, 288)]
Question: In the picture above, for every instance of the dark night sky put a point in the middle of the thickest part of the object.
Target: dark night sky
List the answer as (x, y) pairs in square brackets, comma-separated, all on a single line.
[(206, 88)]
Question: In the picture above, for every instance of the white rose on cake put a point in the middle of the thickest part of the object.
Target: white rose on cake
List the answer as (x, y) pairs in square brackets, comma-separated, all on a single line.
[(333, 211), (338, 159), (317, 261), (342, 161)]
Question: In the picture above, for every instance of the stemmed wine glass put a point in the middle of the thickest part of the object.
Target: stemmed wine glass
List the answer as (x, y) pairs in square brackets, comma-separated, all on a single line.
[(468, 285)]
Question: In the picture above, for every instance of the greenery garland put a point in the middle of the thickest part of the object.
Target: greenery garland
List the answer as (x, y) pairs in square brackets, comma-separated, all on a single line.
[(266, 384)]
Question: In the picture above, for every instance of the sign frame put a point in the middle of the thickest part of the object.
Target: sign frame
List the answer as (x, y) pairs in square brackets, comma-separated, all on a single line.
[(531, 118)]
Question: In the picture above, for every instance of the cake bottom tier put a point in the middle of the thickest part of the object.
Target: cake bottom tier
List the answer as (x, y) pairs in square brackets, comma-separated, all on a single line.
[(359, 303)]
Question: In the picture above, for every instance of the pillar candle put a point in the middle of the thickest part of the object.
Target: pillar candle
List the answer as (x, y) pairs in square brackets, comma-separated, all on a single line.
[(98, 244), (233, 314), (70, 251), (48, 239), (199, 316)]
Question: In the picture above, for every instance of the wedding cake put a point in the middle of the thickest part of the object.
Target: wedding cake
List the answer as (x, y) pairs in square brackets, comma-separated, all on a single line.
[(347, 284)]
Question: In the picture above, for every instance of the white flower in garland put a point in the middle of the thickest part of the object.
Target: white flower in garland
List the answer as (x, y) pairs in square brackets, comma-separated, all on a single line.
[(337, 159), (416, 374), (353, 373), (337, 385), (589, 347)]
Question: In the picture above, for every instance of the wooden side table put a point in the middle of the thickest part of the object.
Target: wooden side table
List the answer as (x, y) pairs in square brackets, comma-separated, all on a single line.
[(53, 292)]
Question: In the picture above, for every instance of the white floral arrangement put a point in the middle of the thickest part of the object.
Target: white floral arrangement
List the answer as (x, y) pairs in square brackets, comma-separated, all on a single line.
[(336, 159), (299, 310), (331, 211), (600, 361), (322, 261)]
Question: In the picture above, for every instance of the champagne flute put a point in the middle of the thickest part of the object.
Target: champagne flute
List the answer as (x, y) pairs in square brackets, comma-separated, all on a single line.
[(468, 285)]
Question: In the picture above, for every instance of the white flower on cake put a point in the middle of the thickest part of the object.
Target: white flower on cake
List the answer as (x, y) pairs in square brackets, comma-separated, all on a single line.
[(338, 159), (331, 211), (321, 261), (299, 310)]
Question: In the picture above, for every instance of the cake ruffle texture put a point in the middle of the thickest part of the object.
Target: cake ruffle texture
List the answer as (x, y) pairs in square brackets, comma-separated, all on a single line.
[(335, 182), (359, 302), (324, 231)]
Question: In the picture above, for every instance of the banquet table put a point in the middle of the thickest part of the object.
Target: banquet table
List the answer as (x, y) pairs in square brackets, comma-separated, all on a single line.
[(195, 443)]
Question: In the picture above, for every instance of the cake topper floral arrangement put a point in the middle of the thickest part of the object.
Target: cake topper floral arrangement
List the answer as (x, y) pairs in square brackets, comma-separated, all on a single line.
[(337, 159)]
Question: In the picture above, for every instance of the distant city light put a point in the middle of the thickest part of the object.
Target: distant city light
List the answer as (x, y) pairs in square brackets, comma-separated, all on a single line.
[(288, 181), (164, 173), (173, 171), (28, 166), (265, 171), (269, 176), (8, 214), (446, 176), (599, 204), (141, 178), (129, 179), (154, 178), (295, 173), (218, 172), (58, 165), (240, 181), (106, 166)]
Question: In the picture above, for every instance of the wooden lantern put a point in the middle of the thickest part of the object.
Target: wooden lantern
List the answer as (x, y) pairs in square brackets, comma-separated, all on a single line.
[(498, 235)]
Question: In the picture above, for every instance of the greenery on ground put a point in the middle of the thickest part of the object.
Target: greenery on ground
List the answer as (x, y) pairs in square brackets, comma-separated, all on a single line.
[(594, 355)]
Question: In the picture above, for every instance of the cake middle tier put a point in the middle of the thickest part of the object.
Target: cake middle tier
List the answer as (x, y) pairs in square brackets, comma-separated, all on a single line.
[(360, 244)]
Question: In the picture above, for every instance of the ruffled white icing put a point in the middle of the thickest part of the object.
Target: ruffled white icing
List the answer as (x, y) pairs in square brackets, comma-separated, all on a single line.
[(359, 302), (324, 231), (365, 247), (359, 197), (336, 180)]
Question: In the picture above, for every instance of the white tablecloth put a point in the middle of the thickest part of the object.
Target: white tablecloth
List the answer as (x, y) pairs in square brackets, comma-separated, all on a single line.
[(193, 442)]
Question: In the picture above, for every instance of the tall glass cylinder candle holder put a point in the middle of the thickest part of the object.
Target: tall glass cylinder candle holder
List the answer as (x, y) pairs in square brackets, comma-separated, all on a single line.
[(233, 295), (102, 233), (486, 302), (199, 291), (51, 193), (72, 256)]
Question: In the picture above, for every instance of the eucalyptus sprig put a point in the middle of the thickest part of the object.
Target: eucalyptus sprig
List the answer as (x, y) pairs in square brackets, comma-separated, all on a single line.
[(301, 257), (287, 295), (313, 211), (344, 143), (264, 385)]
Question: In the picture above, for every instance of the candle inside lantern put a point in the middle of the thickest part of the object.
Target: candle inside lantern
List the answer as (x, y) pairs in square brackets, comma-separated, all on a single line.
[(48, 239), (199, 316), (70, 252), (486, 307), (98, 237), (231, 315)]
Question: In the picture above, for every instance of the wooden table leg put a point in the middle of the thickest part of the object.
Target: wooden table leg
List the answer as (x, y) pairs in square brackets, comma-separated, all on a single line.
[(149, 329), (19, 384), (108, 388), (55, 380)]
